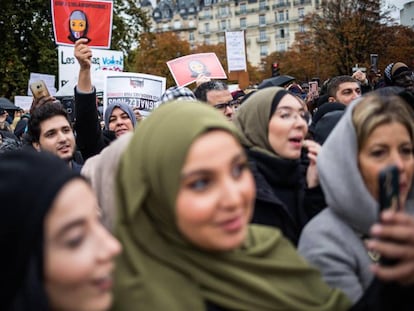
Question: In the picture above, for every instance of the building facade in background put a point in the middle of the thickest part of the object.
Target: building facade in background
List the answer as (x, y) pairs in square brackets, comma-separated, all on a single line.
[(269, 25), (407, 15)]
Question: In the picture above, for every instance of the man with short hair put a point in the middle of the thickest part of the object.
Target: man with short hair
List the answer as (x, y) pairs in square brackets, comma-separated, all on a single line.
[(343, 89), (50, 130), (216, 93)]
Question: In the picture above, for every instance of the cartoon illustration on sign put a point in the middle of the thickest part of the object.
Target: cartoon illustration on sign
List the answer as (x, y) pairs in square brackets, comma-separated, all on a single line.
[(78, 25), (197, 67)]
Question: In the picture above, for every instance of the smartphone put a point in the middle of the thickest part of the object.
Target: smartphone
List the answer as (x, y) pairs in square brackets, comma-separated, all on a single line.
[(389, 188), (389, 193), (313, 88), (39, 89)]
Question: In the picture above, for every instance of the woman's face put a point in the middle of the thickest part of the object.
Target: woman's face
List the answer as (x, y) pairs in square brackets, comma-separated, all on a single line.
[(216, 195), (79, 252), (119, 122), (288, 127), (388, 144)]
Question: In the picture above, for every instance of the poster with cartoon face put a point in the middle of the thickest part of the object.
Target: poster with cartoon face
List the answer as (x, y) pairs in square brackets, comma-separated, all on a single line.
[(89, 19), (186, 69)]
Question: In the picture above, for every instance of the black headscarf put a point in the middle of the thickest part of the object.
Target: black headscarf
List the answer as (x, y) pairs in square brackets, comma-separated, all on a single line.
[(29, 183)]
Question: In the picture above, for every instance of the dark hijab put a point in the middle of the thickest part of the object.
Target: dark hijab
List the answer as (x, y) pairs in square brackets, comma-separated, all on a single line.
[(29, 183)]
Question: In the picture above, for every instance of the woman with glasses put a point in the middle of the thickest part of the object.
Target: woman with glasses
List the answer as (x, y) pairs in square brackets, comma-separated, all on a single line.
[(274, 124)]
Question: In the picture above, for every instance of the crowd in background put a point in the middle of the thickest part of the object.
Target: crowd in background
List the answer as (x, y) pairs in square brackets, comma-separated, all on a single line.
[(260, 199)]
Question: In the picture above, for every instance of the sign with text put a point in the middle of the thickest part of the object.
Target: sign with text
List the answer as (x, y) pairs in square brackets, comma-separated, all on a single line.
[(101, 60), (75, 19), (137, 90), (186, 69), (236, 51)]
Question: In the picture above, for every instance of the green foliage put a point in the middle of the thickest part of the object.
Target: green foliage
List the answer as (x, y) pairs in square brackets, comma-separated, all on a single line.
[(27, 45)]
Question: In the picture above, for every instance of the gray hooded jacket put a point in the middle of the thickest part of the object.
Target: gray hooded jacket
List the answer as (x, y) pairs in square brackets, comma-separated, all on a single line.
[(332, 241)]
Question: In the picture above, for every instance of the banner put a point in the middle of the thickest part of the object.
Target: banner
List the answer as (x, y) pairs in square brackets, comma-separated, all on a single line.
[(77, 19), (137, 90), (101, 60), (235, 50), (186, 69)]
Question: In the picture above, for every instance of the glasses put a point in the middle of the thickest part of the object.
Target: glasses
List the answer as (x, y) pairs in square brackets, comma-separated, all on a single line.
[(289, 114), (223, 106)]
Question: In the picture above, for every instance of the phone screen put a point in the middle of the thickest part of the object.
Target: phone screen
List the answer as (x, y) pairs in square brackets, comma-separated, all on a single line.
[(389, 188)]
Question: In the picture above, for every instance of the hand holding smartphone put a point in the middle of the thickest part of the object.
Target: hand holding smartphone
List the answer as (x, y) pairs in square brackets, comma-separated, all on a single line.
[(39, 89)]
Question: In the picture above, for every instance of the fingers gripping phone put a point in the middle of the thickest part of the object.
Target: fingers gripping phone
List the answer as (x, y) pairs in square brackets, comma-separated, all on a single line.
[(39, 89), (389, 194)]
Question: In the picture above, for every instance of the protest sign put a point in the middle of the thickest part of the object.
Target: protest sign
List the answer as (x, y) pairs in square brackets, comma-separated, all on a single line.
[(186, 69), (137, 90), (101, 60), (235, 51), (75, 19)]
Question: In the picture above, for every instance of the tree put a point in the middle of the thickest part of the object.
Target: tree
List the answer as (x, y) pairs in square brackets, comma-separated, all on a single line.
[(346, 31), (155, 50), (28, 43)]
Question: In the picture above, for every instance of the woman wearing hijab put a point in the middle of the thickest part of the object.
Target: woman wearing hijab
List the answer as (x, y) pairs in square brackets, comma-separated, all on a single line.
[(374, 133), (274, 124), (119, 118), (56, 254)]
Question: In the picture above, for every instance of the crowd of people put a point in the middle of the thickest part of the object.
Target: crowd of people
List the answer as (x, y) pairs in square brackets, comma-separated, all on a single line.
[(218, 200)]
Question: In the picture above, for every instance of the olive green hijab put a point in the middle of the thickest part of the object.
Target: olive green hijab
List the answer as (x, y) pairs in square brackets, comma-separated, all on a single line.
[(253, 117), (160, 269)]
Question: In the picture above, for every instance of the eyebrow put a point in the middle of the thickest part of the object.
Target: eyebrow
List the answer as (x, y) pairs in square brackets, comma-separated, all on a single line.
[(290, 108), (236, 158)]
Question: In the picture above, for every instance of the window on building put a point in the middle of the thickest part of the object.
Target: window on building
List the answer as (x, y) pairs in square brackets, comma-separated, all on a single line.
[(223, 25), (177, 24), (243, 23), (262, 5), (282, 33), (207, 2), (263, 50), (301, 12), (207, 41), (207, 12), (221, 38), (301, 28), (262, 35), (243, 8), (224, 10), (281, 16), (282, 46), (262, 20), (191, 36), (276, 13), (207, 27), (287, 15)]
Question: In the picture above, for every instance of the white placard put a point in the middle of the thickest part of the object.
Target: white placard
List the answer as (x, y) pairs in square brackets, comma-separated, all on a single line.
[(49, 80), (236, 51), (24, 102), (101, 60), (134, 89)]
